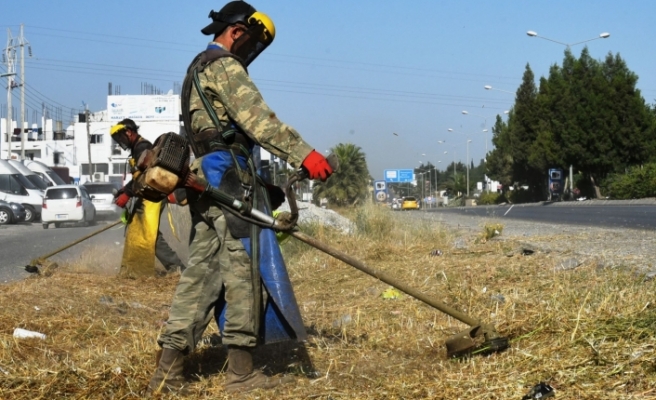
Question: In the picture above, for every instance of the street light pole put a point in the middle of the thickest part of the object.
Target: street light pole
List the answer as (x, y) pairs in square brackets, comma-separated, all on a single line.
[(602, 35)]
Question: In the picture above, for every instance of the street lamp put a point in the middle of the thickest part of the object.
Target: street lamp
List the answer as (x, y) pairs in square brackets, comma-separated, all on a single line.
[(603, 35), (488, 87)]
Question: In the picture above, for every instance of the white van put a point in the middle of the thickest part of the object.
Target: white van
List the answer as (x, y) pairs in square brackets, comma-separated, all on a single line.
[(14, 187), (44, 172), (30, 175)]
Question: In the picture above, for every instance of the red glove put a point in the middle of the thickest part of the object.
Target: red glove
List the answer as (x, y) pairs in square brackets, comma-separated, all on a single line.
[(122, 200), (317, 166)]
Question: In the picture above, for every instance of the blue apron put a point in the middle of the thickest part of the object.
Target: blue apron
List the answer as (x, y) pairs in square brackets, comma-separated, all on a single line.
[(281, 318)]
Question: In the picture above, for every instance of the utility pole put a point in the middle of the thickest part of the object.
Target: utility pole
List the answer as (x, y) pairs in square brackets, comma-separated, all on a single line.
[(87, 119), (10, 60), (22, 42)]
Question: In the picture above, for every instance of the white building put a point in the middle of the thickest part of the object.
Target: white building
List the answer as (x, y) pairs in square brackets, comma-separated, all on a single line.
[(68, 149)]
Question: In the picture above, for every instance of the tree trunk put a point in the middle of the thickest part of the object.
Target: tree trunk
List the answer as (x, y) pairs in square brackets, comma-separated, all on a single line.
[(596, 188)]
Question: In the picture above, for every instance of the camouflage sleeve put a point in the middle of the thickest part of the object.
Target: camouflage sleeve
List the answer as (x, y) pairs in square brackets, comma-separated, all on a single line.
[(245, 105)]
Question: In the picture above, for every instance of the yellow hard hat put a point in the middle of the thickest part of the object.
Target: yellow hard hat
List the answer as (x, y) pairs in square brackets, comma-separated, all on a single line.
[(269, 28), (116, 128)]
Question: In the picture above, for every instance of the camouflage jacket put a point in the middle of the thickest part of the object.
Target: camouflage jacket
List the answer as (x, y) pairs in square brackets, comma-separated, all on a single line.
[(235, 97)]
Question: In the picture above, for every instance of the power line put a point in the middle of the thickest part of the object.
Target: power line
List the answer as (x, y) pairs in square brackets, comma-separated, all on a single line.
[(340, 88)]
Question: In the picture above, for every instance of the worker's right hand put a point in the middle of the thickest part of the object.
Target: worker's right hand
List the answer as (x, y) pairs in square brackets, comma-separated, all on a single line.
[(317, 166), (122, 200)]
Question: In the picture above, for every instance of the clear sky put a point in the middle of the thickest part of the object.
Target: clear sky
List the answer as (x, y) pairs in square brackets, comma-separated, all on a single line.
[(390, 76)]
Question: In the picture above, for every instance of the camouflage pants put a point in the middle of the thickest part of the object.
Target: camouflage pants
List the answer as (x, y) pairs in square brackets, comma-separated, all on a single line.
[(216, 261)]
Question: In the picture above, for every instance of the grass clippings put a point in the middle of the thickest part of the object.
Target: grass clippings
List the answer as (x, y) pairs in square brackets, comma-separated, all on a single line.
[(588, 332)]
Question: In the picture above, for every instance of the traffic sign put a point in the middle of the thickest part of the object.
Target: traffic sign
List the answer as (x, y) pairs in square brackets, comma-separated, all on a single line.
[(399, 175), (380, 191)]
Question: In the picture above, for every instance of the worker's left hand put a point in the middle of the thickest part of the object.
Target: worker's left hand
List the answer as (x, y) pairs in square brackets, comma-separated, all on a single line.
[(122, 200)]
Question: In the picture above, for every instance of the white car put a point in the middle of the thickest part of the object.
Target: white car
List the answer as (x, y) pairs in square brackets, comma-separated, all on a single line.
[(103, 198), (67, 203)]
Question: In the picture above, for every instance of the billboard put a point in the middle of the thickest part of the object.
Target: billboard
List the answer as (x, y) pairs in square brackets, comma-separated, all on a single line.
[(399, 175), (144, 107)]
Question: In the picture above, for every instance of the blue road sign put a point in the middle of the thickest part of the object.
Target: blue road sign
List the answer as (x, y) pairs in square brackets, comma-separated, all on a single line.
[(399, 175)]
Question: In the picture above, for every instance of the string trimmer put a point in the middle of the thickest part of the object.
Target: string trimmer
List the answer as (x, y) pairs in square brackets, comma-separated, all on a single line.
[(479, 338), (32, 266)]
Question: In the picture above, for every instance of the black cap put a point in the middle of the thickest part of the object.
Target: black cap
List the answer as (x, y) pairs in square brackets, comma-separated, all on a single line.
[(230, 14)]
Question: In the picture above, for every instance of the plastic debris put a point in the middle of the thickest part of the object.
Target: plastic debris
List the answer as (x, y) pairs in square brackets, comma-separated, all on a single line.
[(459, 244), (21, 333), (391, 293), (343, 320), (569, 264), (498, 298), (436, 253), (539, 391)]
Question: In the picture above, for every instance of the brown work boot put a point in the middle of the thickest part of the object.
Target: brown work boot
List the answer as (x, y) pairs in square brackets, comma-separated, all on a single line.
[(168, 377), (242, 377)]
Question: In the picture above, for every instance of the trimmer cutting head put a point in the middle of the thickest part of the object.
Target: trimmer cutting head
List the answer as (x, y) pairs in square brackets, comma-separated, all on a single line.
[(481, 339)]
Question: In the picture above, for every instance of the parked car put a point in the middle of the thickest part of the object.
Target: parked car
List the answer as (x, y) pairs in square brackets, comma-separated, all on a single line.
[(409, 203), (44, 172), (67, 203), (103, 198), (30, 175), (16, 188), (11, 213)]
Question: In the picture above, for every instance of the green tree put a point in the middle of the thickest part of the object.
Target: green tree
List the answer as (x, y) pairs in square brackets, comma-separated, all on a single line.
[(499, 160), (523, 131), (350, 183), (594, 118)]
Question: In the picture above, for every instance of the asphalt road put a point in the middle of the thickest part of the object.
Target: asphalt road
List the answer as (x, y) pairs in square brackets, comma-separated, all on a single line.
[(21, 243), (612, 216)]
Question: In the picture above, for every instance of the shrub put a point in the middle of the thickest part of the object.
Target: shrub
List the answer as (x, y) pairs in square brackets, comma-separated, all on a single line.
[(489, 198), (518, 196), (374, 221), (639, 182)]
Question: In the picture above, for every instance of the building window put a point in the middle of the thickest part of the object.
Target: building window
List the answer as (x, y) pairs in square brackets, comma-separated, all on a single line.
[(100, 167), (96, 138), (118, 168)]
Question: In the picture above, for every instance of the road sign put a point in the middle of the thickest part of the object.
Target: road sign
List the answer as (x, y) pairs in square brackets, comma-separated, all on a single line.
[(380, 191), (399, 175)]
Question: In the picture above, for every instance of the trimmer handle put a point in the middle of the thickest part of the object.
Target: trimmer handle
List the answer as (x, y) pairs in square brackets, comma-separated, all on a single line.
[(299, 175)]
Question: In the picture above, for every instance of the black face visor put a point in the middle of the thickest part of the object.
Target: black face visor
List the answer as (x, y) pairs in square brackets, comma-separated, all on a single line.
[(122, 139), (251, 43)]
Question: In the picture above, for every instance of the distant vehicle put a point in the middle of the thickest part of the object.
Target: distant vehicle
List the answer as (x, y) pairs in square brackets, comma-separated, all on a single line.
[(44, 172), (409, 203), (16, 188), (67, 203), (103, 198), (11, 213), (30, 175)]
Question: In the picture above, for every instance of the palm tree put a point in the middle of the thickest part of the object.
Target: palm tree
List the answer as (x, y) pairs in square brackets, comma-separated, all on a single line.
[(350, 183)]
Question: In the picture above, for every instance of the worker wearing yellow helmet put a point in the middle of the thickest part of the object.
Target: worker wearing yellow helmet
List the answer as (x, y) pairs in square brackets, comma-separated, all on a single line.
[(144, 240), (225, 118)]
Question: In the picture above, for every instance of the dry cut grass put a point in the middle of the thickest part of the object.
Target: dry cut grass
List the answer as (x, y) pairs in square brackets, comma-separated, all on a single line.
[(588, 332)]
